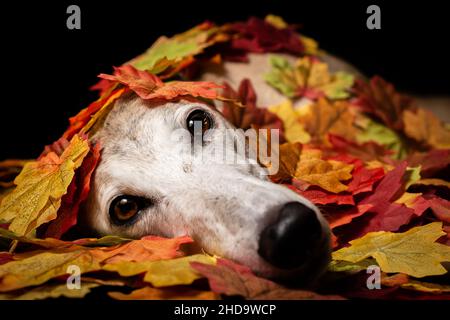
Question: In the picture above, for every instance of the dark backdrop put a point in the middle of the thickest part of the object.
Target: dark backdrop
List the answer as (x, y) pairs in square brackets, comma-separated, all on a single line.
[(47, 69)]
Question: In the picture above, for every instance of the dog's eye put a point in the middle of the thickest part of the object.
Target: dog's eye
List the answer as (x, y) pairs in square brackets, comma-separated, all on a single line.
[(125, 209), (202, 118)]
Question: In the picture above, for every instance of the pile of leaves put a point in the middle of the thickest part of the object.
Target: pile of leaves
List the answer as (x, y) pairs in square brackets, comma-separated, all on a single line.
[(373, 161)]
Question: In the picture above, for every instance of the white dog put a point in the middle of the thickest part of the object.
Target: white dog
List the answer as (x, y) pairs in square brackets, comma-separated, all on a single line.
[(145, 185)]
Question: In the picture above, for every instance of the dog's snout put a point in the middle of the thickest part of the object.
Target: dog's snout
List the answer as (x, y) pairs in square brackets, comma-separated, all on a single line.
[(294, 237)]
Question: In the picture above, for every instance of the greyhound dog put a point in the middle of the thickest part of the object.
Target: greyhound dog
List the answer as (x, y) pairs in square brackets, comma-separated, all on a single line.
[(145, 185)]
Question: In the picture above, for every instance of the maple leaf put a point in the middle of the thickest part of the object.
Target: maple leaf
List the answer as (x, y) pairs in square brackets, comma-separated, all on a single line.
[(340, 217), (424, 127), (413, 252), (379, 98), (319, 196), (40, 187), (327, 174), (371, 131), (50, 291), (149, 86), (289, 155), (163, 273), (170, 52), (84, 117), (250, 115), (231, 279), (310, 78), (431, 161), (257, 35), (324, 118), (149, 293), (77, 193), (293, 129), (388, 216), (367, 151), (37, 267)]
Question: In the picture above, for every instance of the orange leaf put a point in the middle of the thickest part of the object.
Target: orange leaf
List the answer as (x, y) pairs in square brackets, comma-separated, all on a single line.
[(149, 293), (149, 86)]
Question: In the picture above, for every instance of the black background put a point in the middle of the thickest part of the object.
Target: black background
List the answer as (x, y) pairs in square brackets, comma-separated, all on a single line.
[(47, 69)]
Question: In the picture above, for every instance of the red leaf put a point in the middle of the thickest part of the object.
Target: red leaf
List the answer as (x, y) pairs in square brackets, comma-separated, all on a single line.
[(379, 98), (363, 179), (339, 217), (320, 196), (148, 86), (5, 257), (367, 151), (76, 194), (430, 162), (256, 35), (82, 118), (250, 115), (231, 279), (387, 216)]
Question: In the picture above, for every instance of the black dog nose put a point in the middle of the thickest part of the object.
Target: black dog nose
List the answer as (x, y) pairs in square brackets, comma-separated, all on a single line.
[(293, 238)]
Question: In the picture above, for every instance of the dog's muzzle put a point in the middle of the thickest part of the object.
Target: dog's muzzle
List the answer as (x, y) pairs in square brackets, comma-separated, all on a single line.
[(295, 239)]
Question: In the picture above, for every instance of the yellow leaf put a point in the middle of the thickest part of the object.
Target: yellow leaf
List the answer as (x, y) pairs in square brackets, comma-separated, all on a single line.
[(163, 273), (293, 129), (432, 182), (51, 291), (408, 199), (42, 267), (425, 287), (425, 127), (324, 117), (276, 21), (40, 187), (149, 293), (289, 155), (413, 252), (326, 174)]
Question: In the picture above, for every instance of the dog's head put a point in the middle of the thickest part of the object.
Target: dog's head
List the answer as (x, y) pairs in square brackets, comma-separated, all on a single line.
[(149, 181)]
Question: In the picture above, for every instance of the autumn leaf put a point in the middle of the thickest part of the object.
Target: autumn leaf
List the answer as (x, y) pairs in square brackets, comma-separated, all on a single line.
[(367, 151), (324, 118), (293, 129), (371, 131), (424, 127), (77, 193), (42, 267), (289, 155), (309, 78), (340, 217), (163, 273), (84, 117), (231, 279), (40, 187), (248, 115), (149, 293), (431, 162), (149, 86), (50, 291), (380, 99), (327, 174), (257, 35), (149, 248), (35, 268), (388, 215), (168, 52), (413, 252)]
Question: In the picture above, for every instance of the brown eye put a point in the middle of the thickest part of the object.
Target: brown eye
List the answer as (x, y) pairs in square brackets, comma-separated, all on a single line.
[(198, 119), (125, 209)]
